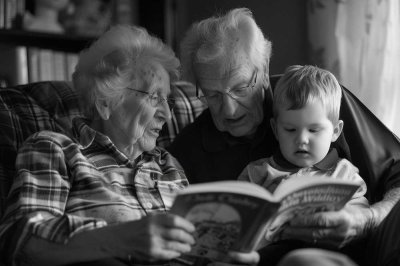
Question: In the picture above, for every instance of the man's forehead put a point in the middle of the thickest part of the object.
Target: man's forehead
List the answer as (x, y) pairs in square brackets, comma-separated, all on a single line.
[(215, 72)]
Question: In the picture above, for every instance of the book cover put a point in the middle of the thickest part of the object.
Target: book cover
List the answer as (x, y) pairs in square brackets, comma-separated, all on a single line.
[(237, 215)]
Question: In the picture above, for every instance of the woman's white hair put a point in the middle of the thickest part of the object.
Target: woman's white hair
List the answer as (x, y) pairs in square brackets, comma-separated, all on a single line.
[(114, 62), (210, 41)]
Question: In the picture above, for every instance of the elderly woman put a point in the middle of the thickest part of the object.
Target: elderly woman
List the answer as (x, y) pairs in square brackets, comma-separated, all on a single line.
[(227, 58), (89, 198)]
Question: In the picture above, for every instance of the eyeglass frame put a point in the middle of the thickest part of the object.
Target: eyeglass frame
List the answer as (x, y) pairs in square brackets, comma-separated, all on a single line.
[(154, 96), (252, 84)]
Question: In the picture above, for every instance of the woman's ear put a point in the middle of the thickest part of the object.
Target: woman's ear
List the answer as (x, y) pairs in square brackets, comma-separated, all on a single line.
[(337, 130), (103, 109)]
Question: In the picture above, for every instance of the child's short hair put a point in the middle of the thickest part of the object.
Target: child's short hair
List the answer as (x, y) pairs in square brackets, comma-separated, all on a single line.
[(301, 85)]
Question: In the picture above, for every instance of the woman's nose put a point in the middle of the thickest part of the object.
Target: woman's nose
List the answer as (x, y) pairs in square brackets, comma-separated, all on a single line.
[(165, 111)]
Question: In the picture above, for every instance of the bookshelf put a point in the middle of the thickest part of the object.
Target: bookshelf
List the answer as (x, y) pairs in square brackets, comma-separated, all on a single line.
[(30, 56), (58, 42)]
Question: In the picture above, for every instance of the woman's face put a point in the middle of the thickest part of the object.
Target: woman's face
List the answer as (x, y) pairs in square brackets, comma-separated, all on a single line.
[(136, 123)]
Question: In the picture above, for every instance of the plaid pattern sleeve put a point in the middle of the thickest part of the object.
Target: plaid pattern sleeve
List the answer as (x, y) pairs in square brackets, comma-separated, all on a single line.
[(187, 108), (30, 108), (27, 109), (39, 193), (63, 187)]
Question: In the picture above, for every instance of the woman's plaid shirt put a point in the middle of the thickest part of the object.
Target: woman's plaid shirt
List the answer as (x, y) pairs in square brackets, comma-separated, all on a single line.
[(64, 186)]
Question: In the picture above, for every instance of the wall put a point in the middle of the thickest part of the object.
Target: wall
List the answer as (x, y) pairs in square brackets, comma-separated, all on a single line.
[(282, 21)]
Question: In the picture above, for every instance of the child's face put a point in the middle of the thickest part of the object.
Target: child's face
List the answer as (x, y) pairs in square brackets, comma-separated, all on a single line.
[(305, 135)]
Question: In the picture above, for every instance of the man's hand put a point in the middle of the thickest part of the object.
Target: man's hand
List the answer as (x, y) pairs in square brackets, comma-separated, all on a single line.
[(336, 228)]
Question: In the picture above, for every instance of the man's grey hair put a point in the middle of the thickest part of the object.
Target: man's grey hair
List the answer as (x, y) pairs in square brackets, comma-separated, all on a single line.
[(210, 40)]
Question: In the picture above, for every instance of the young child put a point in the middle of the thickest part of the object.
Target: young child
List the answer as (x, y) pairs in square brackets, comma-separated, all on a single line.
[(306, 121)]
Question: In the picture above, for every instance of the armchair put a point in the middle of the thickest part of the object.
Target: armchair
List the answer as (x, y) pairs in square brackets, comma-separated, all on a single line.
[(51, 105)]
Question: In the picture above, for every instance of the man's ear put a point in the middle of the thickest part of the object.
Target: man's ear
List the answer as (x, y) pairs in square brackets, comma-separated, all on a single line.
[(273, 126), (103, 109), (337, 130)]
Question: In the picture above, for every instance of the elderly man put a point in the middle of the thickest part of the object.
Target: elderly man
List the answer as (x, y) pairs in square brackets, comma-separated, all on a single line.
[(227, 58)]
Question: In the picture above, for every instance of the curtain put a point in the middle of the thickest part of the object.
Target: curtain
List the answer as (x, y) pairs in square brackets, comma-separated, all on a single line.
[(359, 42)]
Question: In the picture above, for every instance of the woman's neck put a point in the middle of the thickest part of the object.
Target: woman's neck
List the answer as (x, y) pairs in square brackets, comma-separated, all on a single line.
[(117, 137)]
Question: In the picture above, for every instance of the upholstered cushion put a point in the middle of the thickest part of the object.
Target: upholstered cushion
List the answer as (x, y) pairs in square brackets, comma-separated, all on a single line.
[(187, 108), (27, 109)]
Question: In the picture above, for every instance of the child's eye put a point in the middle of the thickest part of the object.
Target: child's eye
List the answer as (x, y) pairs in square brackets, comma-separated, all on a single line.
[(315, 130), (290, 129)]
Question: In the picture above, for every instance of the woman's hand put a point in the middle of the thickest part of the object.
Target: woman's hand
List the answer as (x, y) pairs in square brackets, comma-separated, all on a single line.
[(335, 228), (158, 237)]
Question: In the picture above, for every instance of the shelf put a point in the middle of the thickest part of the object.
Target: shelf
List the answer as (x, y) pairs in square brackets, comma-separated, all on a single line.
[(58, 42)]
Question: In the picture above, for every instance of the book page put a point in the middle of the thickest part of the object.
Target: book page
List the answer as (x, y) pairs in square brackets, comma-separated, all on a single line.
[(303, 199), (224, 221), (238, 187)]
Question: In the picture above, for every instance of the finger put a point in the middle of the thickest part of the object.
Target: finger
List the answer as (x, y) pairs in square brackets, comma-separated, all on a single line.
[(153, 255), (177, 246), (164, 250), (175, 221), (314, 235), (250, 258), (165, 254), (178, 235), (321, 219)]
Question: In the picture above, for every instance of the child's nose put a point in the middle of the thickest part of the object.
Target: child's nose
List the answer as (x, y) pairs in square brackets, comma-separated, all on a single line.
[(302, 138)]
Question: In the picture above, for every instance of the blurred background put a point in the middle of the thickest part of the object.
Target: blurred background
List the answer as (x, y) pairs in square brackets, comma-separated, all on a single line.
[(357, 40)]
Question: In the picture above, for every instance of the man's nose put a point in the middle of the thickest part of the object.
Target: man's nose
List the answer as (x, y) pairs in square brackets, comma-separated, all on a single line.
[(229, 105)]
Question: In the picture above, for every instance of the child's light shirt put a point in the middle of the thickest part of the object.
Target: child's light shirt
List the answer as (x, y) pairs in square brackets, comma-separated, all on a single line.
[(270, 172)]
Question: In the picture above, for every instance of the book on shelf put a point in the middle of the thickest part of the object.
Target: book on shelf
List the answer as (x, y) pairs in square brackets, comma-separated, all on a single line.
[(33, 64), (46, 64), (60, 69), (238, 215), (15, 70)]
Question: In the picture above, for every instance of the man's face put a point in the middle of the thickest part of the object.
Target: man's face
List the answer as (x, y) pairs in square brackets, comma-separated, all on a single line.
[(235, 99)]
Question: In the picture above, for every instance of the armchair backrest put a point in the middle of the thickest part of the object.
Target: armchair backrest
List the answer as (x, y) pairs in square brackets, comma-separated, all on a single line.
[(51, 105)]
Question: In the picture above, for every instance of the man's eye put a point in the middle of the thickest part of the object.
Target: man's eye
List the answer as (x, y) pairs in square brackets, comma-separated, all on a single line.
[(154, 97), (240, 91), (212, 95)]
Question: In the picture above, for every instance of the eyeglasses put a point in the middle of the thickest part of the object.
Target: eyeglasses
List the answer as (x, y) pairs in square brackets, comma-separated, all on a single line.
[(156, 100), (238, 94)]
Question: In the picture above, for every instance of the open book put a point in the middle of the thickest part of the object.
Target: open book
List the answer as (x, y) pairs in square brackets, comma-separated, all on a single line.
[(237, 215)]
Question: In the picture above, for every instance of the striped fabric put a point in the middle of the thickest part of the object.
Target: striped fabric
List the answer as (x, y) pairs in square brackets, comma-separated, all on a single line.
[(65, 186), (27, 109), (187, 108)]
